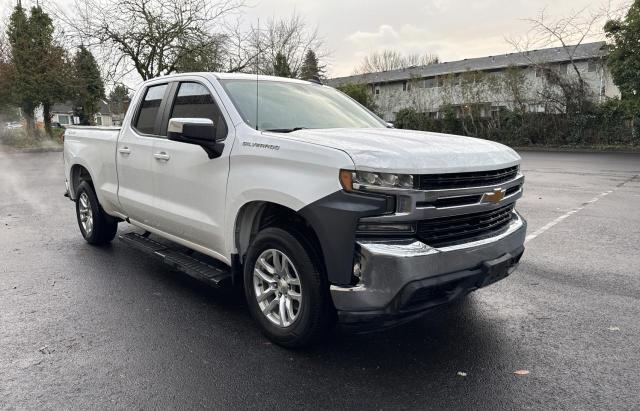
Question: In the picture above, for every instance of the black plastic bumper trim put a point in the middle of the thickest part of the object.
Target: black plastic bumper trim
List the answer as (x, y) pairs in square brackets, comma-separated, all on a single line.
[(334, 219)]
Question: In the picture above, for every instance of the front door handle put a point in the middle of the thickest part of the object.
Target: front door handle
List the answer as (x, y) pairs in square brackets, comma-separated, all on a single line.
[(124, 150), (162, 156)]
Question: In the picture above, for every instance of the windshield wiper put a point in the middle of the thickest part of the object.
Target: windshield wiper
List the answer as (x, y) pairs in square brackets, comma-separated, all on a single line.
[(285, 130)]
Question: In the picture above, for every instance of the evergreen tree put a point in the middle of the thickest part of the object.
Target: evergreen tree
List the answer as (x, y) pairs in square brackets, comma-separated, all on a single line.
[(24, 86), (53, 72), (624, 56), (39, 66), (119, 99), (281, 66), (310, 67), (624, 61), (7, 105), (89, 88)]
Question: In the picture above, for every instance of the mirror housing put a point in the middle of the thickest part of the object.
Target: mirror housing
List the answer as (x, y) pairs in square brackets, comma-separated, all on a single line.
[(198, 131)]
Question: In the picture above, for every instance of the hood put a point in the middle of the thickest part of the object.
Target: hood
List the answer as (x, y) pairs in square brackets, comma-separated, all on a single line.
[(411, 152)]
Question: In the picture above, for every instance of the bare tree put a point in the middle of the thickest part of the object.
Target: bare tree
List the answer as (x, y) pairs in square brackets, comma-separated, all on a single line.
[(152, 37), (393, 60), (568, 33), (291, 38)]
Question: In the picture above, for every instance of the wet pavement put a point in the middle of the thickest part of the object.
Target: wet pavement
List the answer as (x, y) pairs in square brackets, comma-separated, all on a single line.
[(84, 327)]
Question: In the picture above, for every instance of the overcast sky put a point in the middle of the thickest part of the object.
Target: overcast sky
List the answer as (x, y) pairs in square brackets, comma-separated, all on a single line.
[(451, 29)]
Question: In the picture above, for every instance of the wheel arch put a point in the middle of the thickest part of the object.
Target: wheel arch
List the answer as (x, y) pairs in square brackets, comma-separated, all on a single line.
[(78, 174), (257, 215)]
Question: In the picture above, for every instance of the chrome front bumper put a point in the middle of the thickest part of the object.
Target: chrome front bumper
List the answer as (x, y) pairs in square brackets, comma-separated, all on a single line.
[(394, 270)]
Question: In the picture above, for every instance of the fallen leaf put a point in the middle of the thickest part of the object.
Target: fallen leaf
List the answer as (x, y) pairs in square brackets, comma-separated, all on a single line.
[(462, 374), (45, 350), (521, 372), (614, 328)]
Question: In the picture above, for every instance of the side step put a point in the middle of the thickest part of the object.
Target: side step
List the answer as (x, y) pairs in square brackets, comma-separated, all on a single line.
[(179, 260)]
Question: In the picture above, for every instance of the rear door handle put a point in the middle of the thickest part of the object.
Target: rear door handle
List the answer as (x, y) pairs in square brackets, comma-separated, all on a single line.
[(124, 150), (162, 156)]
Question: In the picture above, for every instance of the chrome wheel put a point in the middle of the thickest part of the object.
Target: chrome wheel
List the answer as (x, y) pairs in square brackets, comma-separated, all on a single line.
[(277, 287), (86, 215)]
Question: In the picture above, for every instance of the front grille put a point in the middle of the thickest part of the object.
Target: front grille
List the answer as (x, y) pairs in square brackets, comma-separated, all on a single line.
[(458, 229), (465, 180)]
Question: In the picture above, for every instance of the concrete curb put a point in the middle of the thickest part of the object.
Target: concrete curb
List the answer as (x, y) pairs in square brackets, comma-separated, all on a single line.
[(620, 150), (13, 150)]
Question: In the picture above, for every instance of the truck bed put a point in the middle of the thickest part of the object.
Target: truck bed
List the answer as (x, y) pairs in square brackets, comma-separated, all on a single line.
[(95, 147)]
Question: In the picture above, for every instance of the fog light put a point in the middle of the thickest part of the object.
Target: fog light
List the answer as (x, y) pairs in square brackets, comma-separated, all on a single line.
[(357, 270)]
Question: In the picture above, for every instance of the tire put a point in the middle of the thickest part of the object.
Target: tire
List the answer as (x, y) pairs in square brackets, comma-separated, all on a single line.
[(313, 311), (96, 226)]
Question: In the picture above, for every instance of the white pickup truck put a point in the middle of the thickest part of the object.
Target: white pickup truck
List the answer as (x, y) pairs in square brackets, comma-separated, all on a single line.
[(321, 210)]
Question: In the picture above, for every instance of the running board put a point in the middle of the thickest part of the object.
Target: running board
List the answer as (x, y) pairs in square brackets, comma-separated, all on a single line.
[(178, 260)]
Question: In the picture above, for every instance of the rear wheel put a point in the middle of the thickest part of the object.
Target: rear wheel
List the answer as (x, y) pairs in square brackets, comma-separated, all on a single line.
[(285, 289), (96, 226)]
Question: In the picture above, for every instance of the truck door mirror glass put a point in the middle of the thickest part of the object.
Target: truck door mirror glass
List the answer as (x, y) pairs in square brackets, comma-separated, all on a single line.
[(198, 131)]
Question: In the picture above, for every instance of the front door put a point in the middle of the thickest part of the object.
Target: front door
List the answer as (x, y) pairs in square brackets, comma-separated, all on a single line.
[(190, 188)]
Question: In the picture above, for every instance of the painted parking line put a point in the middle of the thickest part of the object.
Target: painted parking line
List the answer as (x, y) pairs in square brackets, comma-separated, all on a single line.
[(575, 210), (562, 217)]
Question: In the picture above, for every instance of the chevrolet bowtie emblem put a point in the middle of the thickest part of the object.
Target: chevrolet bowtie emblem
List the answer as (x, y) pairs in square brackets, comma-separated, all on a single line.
[(494, 197)]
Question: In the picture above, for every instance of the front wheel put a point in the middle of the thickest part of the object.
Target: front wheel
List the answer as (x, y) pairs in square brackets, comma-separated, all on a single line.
[(285, 289)]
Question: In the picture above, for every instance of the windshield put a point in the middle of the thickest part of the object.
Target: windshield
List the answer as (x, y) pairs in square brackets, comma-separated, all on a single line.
[(286, 106)]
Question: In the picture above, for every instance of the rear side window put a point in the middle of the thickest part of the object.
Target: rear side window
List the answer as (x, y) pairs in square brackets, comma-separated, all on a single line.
[(194, 101), (148, 112)]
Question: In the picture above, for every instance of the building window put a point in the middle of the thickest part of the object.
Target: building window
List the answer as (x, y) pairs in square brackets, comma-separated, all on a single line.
[(545, 71), (63, 119), (376, 90), (430, 82), (440, 81), (406, 86), (591, 66), (561, 68), (98, 120)]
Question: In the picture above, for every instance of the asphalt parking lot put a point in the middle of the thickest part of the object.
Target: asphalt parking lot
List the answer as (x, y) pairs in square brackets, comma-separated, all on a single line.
[(84, 327)]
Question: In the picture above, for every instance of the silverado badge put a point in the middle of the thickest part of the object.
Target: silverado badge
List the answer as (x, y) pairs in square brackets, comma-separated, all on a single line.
[(494, 197)]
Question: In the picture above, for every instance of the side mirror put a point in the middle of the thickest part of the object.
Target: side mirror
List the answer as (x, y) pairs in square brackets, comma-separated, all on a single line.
[(198, 131)]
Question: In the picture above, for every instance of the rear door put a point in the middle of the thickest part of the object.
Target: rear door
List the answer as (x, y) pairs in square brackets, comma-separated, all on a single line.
[(190, 188), (134, 154)]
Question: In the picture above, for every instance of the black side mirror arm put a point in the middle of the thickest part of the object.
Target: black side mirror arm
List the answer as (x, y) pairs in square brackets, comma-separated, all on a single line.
[(213, 150)]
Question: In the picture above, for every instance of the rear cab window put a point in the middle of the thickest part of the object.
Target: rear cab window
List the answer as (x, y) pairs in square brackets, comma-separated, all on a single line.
[(147, 116)]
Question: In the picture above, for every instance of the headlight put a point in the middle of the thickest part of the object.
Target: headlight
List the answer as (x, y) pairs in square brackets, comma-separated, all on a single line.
[(351, 180)]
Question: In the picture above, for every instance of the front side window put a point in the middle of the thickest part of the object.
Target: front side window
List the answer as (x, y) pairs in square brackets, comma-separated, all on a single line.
[(286, 106), (148, 111), (194, 101)]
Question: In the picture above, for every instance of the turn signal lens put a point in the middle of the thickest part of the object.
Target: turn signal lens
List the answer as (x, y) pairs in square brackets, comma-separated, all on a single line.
[(346, 180)]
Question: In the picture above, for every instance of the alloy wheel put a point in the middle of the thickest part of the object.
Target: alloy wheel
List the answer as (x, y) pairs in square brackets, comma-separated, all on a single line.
[(277, 287)]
